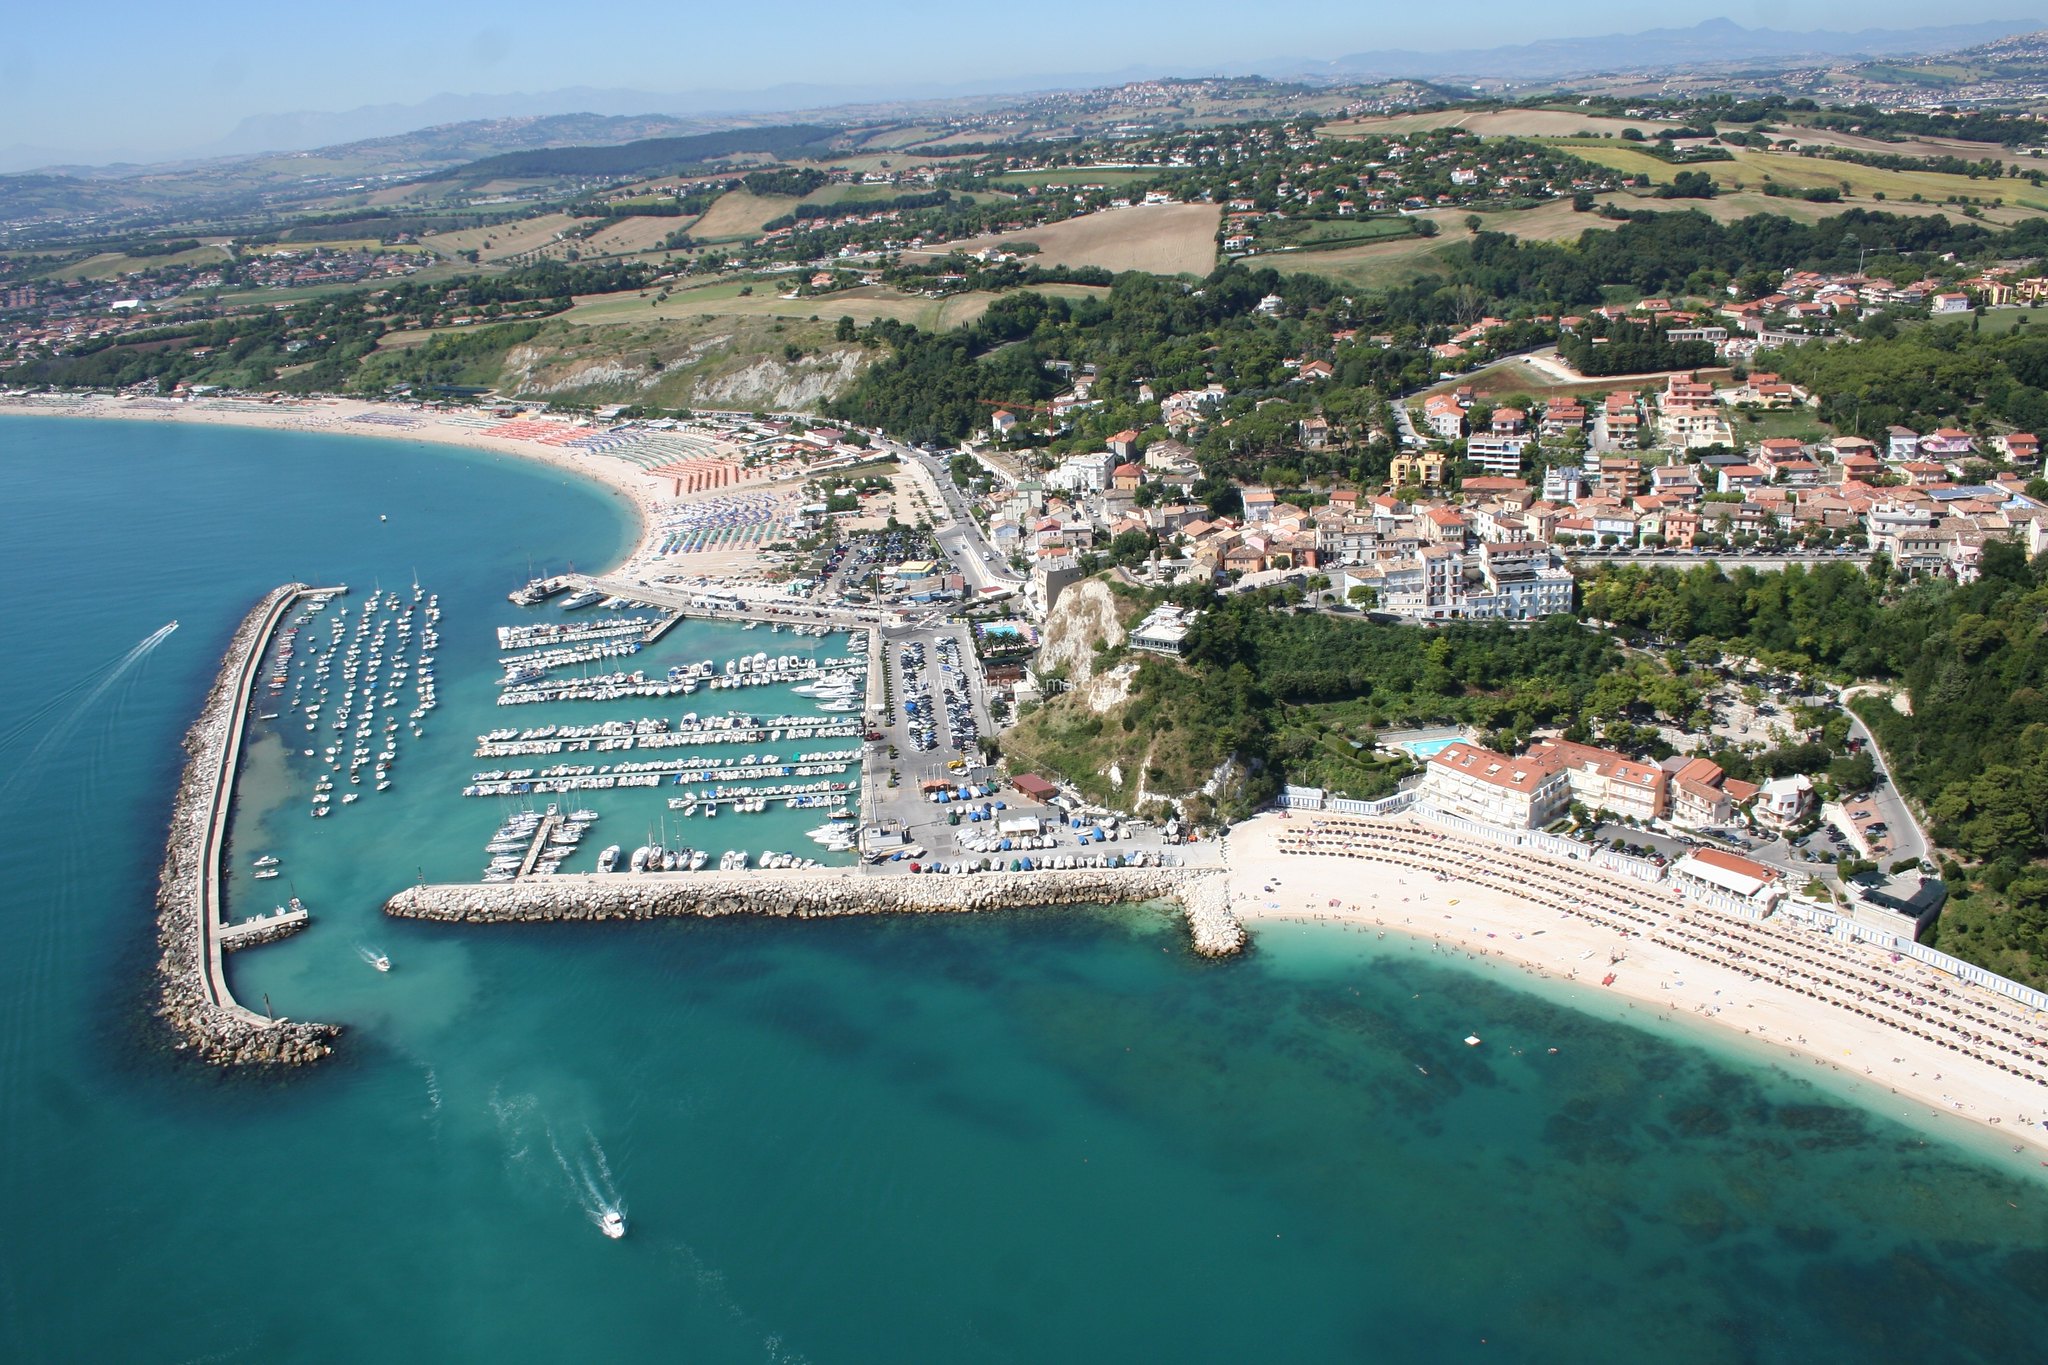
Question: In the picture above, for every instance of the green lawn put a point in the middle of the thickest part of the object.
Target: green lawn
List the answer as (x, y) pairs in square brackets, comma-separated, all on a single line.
[(1798, 423), (1998, 321)]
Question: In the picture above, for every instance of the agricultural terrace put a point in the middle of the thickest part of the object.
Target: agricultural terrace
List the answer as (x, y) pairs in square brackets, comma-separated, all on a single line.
[(1164, 239)]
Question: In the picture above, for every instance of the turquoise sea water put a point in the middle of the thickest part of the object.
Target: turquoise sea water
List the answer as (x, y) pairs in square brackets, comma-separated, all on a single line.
[(1008, 1138)]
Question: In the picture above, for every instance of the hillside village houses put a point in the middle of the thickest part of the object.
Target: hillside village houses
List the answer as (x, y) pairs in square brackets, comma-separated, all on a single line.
[(1491, 544)]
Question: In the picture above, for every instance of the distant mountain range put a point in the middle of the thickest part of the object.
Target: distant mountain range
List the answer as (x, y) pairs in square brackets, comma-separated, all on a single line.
[(1715, 42), (449, 130), (1711, 43)]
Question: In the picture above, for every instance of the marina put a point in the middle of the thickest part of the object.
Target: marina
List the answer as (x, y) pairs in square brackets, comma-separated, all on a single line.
[(358, 676), (1075, 1076)]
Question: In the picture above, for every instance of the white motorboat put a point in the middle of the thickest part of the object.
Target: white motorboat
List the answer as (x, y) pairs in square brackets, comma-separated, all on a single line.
[(265, 861), (612, 1224)]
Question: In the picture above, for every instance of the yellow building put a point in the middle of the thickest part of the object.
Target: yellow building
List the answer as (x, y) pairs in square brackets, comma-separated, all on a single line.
[(1424, 470)]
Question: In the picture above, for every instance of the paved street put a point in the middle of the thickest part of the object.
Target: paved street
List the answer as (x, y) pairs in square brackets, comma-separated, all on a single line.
[(959, 535), (1908, 839)]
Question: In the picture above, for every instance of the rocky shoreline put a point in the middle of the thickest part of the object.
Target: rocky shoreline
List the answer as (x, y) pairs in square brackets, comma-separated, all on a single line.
[(822, 893), (194, 999)]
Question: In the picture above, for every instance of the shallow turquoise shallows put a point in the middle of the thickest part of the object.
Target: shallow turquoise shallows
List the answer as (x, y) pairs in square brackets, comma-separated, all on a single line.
[(1017, 1138)]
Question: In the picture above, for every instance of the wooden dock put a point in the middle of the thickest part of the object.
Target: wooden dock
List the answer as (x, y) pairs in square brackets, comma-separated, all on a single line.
[(539, 844)]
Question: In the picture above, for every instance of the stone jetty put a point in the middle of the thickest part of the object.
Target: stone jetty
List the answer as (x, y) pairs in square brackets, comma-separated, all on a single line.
[(818, 893), (194, 998)]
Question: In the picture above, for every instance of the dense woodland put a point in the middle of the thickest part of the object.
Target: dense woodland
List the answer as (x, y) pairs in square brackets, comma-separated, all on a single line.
[(1945, 375)]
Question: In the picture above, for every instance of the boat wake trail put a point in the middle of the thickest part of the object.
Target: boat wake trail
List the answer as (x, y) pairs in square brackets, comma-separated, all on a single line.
[(589, 1177), (95, 685), (581, 1175)]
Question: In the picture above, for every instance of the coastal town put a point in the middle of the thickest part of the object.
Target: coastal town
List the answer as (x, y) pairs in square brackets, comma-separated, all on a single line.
[(873, 698), (1706, 852)]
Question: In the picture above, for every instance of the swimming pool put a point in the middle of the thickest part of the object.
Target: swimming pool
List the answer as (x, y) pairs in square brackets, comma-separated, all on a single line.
[(1430, 748)]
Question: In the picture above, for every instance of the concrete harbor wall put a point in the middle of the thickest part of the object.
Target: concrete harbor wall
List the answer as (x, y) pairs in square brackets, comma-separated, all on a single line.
[(822, 892), (194, 997)]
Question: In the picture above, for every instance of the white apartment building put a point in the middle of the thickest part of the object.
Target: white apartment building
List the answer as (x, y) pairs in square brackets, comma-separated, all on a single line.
[(1497, 454), (1602, 779), (1494, 789)]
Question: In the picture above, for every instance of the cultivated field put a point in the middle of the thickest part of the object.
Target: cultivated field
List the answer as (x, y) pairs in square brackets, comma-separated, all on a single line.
[(1165, 239), (1491, 123), (738, 215), (1750, 169), (1377, 265), (502, 241), (632, 234), (108, 264), (1917, 146), (1110, 176), (349, 244)]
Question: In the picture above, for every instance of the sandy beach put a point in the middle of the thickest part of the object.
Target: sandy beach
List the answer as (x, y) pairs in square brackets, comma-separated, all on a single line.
[(1934, 1085)]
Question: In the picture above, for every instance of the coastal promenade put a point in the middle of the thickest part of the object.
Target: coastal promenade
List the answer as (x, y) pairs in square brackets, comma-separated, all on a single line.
[(818, 893), (195, 999)]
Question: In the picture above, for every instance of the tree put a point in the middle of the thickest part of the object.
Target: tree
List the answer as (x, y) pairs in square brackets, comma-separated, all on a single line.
[(1130, 547), (1853, 773), (1362, 596)]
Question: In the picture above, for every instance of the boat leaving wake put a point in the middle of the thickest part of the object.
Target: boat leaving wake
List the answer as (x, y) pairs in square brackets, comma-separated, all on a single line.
[(373, 958), (590, 1182), (584, 1178)]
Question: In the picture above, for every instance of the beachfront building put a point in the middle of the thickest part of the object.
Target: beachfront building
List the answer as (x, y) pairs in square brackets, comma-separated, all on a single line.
[(1603, 780), (1494, 789), (1712, 872), (1701, 794)]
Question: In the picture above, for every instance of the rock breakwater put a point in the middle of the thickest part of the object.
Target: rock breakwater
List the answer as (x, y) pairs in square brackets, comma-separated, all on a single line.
[(194, 999), (824, 892)]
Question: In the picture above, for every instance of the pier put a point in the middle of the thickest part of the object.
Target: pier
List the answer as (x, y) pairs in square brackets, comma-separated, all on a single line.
[(818, 893), (257, 929), (699, 604), (540, 842), (196, 1001)]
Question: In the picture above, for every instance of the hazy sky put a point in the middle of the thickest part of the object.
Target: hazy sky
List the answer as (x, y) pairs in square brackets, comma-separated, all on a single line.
[(122, 78)]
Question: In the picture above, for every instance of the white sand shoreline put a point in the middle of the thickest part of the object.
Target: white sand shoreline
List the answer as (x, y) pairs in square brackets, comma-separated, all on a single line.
[(1930, 1083)]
